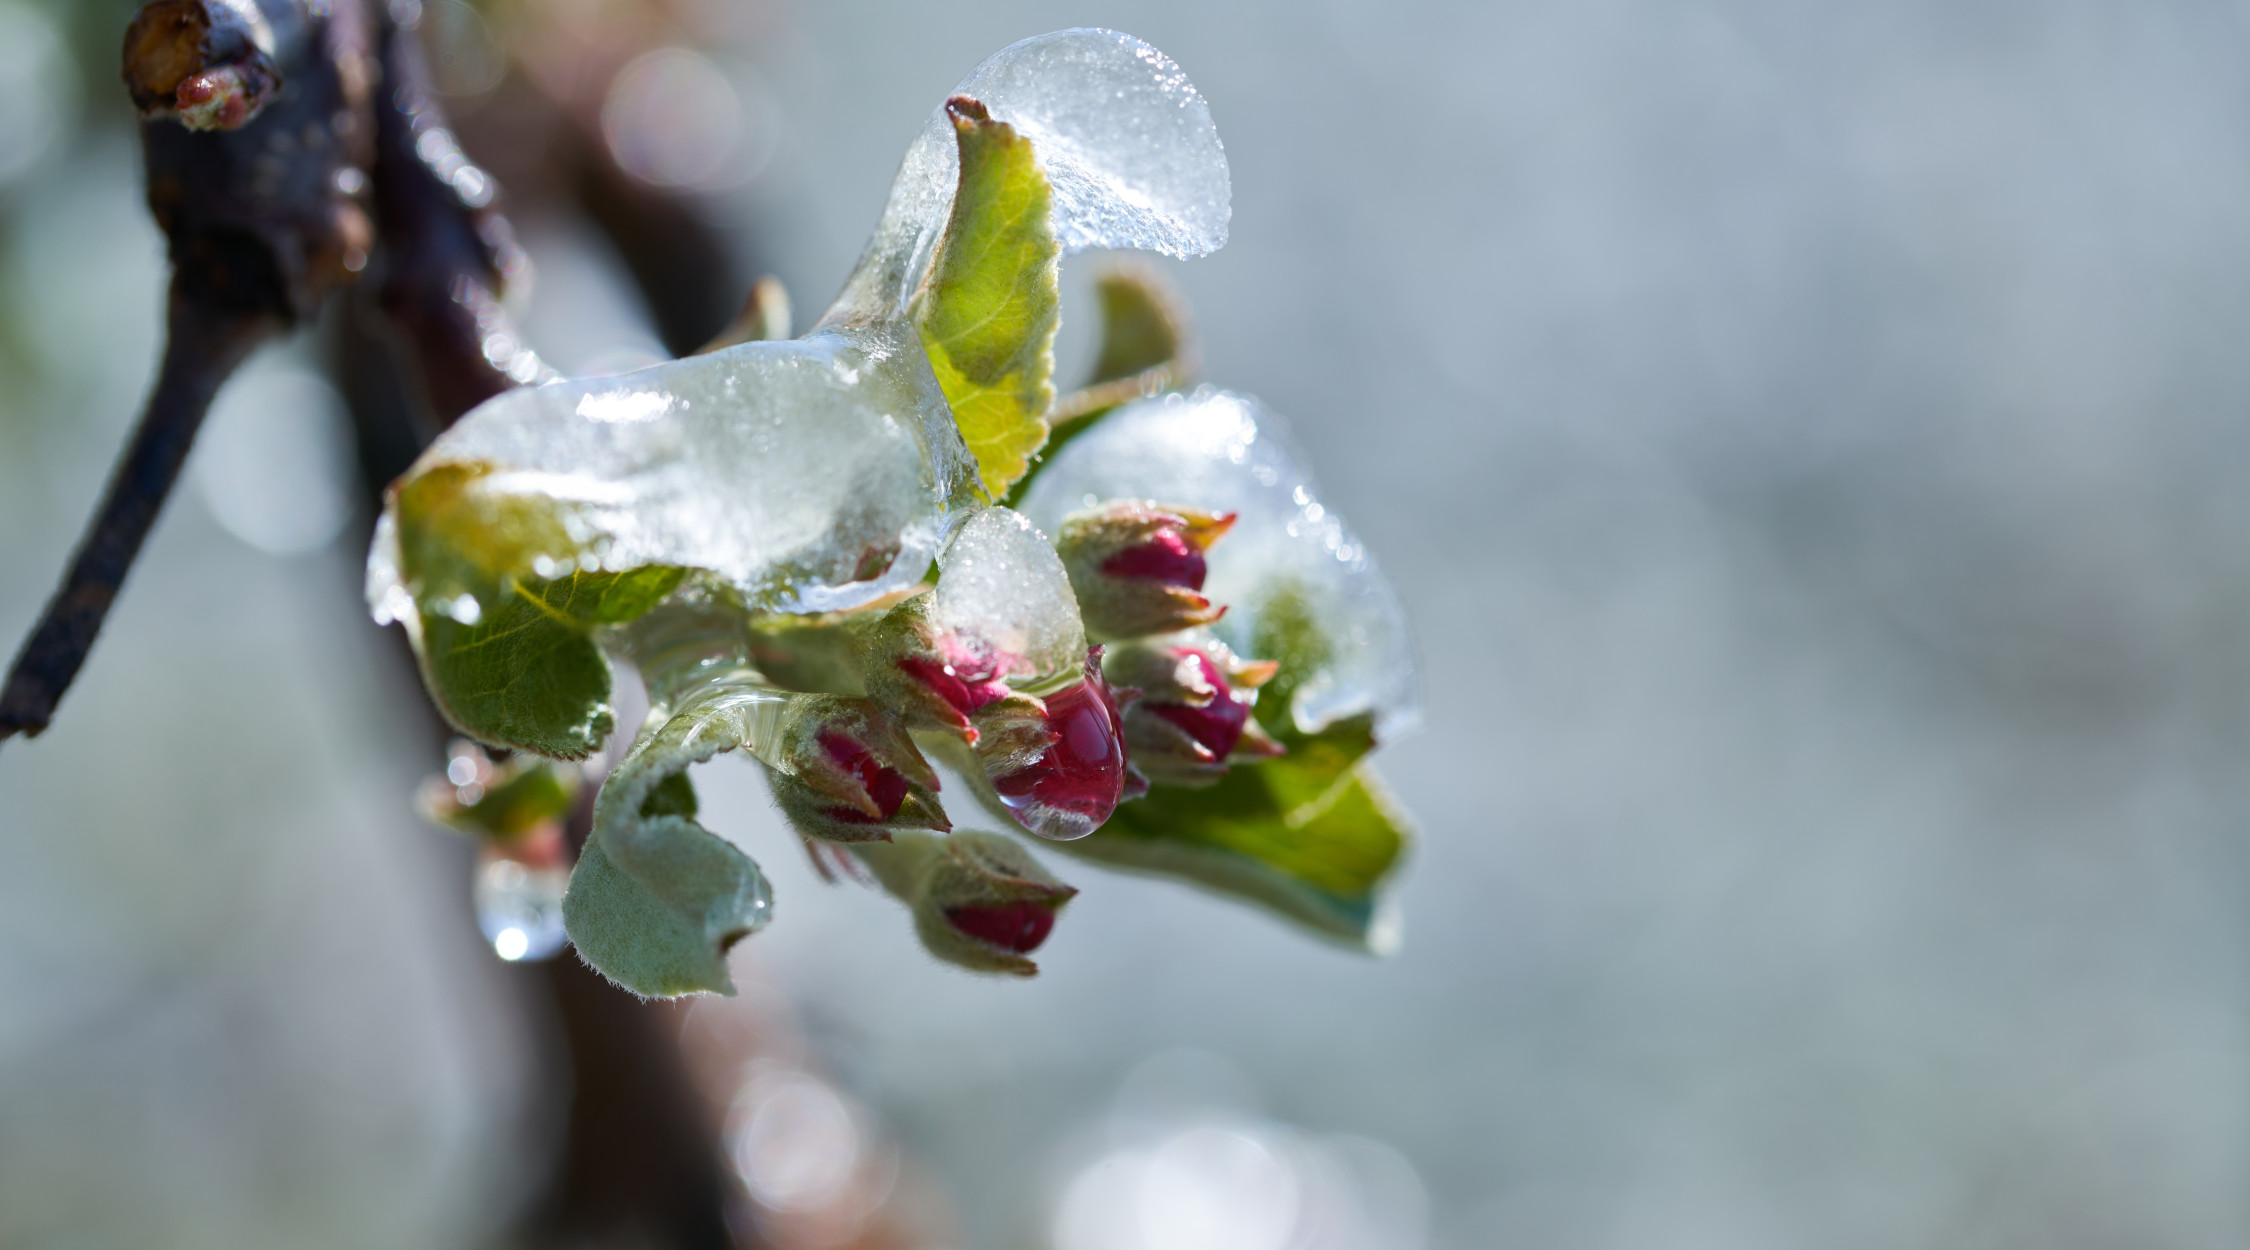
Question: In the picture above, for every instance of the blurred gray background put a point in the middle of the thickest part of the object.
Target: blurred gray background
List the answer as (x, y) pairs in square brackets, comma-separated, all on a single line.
[(1811, 442)]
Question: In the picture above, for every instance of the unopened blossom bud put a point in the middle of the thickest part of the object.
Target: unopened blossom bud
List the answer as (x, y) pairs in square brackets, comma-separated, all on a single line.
[(845, 771), (930, 678), (980, 900), (1057, 761), (1137, 567), (1189, 717)]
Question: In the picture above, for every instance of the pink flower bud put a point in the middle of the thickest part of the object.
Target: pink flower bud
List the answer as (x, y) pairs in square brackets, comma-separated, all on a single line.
[(931, 679), (1189, 717), (1138, 567), (1058, 762), (848, 773), (980, 900)]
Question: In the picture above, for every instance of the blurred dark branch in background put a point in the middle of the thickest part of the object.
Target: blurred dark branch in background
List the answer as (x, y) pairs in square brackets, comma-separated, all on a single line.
[(447, 250)]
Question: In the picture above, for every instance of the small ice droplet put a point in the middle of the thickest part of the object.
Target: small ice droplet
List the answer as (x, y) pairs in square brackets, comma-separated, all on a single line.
[(519, 908)]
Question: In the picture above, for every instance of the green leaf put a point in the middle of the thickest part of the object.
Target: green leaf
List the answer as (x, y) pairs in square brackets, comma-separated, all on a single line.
[(1312, 835), (661, 927), (508, 656), (656, 898), (1291, 634), (1143, 325), (988, 310), (526, 672)]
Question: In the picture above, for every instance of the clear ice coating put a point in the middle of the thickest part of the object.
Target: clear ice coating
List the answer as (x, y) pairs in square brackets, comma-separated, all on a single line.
[(1126, 141), (1002, 591), (1225, 452), (824, 473), (519, 907), (812, 475)]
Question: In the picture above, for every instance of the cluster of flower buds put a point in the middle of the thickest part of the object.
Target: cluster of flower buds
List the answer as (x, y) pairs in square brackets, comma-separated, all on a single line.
[(980, 900), (1138, 567), (1056, 761), (1189, 716)]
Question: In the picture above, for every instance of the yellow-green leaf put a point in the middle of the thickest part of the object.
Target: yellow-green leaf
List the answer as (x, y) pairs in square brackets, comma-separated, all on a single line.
[(987, 312)]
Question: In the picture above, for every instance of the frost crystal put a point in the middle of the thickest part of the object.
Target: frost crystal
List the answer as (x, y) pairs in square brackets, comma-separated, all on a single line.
[(1225, 452)]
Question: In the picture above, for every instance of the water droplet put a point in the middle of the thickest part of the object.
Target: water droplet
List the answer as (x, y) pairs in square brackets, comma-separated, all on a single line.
[(519, 907)]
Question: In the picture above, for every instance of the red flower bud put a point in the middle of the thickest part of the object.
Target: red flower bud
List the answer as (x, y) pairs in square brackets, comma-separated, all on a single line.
[(848, 773), (1190, 714), (1019, 926), (1065, 786), (930, 678), (1138, 567), (980, 900)]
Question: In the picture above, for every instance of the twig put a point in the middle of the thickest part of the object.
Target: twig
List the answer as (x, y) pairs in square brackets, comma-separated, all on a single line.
[(203, 347)]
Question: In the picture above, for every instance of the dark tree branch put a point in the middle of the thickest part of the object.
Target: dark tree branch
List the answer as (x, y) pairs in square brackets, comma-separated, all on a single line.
[(259, 203), (203, 347), (446, 249), (676, 257)]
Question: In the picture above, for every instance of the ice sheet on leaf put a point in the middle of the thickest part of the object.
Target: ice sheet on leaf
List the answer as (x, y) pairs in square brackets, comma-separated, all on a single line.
[(1126, 141), (1002, 591), (812, 475), (1286, 554)]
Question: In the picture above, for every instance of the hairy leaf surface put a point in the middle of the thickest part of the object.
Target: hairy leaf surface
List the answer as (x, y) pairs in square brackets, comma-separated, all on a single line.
[(656, 898)]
